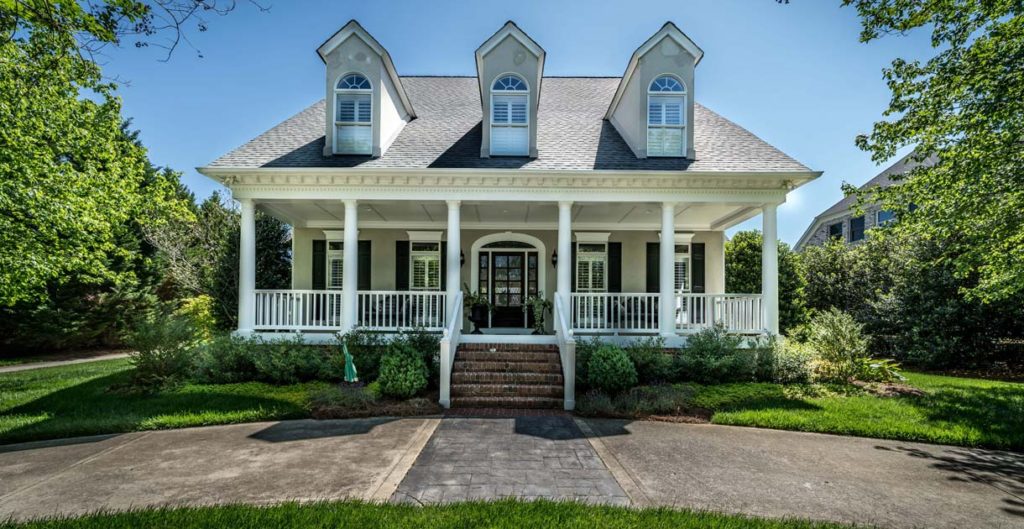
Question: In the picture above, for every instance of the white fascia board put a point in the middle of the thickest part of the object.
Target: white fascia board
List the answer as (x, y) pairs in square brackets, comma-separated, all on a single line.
[(353, 28), (669, 30)]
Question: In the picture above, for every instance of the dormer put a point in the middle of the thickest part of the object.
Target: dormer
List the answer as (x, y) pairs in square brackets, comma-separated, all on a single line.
[(509, 67), (366, 104), (653, 107)]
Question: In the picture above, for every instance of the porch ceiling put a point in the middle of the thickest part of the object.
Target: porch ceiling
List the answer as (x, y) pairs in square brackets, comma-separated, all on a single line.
[(499, 215)]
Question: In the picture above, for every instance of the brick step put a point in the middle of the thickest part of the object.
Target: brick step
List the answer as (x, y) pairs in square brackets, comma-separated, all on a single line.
[(508, 356), (508, 367), (498, 377), (507, 347), (508, 402), (506, 390)]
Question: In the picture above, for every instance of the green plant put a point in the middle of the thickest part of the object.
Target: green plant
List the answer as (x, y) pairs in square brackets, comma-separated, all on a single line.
[(653, 364), (162, 346), (874, 370), (840, 343), (428, 346), (789, 362), (610, 370), (366, 348), (403, 373), (198, 311), (713, 356), (472, 298), (230, 359), (743, 274), (538, 306), (584, 350)]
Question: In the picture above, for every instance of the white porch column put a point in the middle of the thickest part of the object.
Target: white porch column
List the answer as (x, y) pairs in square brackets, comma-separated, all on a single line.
[(247, 268), (350, 274), (563, 272), (770, 268), (454, 278), (667, 270)]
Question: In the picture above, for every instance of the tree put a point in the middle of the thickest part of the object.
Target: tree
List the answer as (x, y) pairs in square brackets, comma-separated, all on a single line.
[(965, 107), (743, 274)]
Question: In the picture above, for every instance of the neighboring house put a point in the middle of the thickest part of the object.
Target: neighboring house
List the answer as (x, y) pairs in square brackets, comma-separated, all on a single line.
[(607, 196), (839, 221)]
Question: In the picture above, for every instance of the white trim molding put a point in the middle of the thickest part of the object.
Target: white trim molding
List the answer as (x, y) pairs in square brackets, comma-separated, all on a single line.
[(474, 273)]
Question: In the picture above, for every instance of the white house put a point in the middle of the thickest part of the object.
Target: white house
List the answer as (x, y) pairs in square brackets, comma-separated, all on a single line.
[(608, 196)]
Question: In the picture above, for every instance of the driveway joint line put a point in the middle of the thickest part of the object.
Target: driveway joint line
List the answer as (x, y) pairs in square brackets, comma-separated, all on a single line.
[(626, 480), (388, 483)]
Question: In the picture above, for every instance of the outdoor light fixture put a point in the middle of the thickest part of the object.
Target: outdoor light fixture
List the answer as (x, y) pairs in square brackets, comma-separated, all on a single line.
[(554, 258), (462, 258)]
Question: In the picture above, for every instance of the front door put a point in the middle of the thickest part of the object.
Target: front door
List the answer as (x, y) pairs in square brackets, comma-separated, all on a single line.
[(508, 282)]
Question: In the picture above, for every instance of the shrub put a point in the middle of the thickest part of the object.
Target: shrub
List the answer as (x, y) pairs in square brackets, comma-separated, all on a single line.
[(228, 359), (584, 350), (366, 348), (428, 346), (162, 346), (713, 356), (840, 344), (653, 364), (791, 362), (403, 373), (641, 401), (198, 311), (743, 274), (609, 369)]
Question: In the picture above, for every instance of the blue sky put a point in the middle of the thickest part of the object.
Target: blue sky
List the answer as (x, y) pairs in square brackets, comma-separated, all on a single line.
[(795, 75)]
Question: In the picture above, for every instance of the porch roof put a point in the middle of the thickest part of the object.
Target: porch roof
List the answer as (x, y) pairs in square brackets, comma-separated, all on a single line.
[(572, 135)]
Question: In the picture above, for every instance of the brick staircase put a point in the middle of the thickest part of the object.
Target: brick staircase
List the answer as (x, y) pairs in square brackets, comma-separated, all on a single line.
[(507, 376)]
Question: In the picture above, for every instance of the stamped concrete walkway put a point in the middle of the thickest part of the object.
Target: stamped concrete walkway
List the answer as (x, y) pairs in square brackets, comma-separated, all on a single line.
[(55, 363), (423, 460)]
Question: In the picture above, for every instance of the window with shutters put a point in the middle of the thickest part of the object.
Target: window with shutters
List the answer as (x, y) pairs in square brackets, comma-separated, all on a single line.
[(335, 264), (591, 267), (425, 266), (353, 121), (510, 119), (682, 266), (666, 117)]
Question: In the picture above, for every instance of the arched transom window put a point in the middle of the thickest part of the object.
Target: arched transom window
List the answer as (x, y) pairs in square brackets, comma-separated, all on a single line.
[(353, 121), (510, 119), (666, 117)]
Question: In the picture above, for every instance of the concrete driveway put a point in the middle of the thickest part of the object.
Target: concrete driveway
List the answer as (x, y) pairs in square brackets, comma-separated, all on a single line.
[(253, 463), (826, 477)]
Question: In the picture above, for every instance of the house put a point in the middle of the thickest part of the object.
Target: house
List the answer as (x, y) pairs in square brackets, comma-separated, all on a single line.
[(608, 196), (840, 222)]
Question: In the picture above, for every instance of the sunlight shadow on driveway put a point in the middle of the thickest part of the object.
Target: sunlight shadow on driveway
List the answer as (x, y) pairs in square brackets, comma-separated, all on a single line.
[(312, 429)]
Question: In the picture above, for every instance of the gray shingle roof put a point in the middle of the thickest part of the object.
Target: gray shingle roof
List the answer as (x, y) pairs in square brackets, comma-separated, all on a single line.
[(883, 179), (571, 134)]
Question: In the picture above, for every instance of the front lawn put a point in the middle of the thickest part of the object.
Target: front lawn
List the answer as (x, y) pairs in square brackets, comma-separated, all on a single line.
[(76, 400), (501, 514), (955, 411)]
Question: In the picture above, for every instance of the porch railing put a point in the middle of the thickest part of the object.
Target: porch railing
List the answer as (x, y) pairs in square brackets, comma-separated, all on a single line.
[(321, 310), (613, 312), (450, 339), (736, 312), (566, 351)]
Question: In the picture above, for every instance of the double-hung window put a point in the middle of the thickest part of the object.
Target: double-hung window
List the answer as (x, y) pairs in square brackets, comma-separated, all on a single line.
[(335, 264), (510, 120), (857, 228), (591, 267), (666, 117), (425, 266), (353, 120)]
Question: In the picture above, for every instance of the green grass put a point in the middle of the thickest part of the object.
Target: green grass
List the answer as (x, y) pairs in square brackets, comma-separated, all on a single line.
[(955, 411), (502, 514), (75, 400)]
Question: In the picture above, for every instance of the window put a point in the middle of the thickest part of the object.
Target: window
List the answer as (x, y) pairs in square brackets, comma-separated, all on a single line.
[(591, 264), (682, 266), (510, 123), (857, 228), (353, 122), (425, 266), (835, 231), (335, 264), (666, 117), (883, 217)]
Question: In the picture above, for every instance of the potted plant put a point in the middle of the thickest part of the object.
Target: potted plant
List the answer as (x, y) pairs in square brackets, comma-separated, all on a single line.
[(538, 305), (477, 307)]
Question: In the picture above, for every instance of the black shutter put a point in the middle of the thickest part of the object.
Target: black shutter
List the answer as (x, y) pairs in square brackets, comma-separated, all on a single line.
[(615, 267), (572, 268), (364, 265), (653, 266), (697, 262), (401, 265), (444, 265), (319, 265)]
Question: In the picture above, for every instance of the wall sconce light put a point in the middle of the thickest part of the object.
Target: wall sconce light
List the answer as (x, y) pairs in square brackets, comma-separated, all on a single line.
[(462, 258), (554, 258)]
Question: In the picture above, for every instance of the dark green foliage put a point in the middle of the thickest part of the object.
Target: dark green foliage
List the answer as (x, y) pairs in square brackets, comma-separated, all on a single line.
[(366, 348), (653, 364), (162, 351), (428, 346), (714, 356), (403, 373), (609, 369), (230, 359), (743, 275), (584, 350), (641, 401)]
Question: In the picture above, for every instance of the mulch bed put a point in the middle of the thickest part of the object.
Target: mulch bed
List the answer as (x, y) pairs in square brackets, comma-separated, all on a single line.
[(889, 389)]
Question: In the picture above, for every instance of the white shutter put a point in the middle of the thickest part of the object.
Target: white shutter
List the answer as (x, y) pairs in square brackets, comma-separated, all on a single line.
[(666, 124), (353, 130), (510, 131)]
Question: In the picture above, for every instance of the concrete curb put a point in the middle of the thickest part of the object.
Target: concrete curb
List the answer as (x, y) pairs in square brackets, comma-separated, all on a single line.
[(382, 490)]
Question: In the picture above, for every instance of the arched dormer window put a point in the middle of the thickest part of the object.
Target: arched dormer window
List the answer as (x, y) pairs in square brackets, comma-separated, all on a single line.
[(666, 117), (353, 121), (510, 119)]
